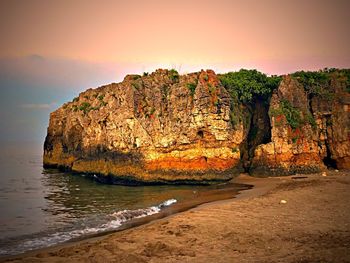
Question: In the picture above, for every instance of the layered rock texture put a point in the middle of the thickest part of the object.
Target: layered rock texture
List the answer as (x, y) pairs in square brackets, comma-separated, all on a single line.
[(167, 128)]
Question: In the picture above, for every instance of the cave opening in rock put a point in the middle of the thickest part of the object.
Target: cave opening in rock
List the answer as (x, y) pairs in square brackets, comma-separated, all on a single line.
[(328, 160), (200, 134), (259, 130)]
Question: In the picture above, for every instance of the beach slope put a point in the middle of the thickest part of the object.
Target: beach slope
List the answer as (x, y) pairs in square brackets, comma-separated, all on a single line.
[(311, 224)]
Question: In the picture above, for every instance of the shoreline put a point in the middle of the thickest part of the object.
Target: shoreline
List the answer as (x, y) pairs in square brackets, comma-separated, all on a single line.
[(243, 179), (263, 187)]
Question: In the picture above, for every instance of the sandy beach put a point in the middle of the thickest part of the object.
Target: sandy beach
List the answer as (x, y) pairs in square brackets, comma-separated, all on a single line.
[(305, 218)]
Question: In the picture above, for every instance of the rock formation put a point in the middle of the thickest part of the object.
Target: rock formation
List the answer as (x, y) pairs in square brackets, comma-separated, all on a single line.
[(167, 128), (322, 137)]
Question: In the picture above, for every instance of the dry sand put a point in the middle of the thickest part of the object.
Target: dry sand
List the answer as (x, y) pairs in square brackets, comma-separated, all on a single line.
[(313, 225)]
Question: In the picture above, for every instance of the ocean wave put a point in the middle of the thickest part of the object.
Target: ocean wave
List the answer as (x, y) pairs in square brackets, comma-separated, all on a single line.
[(126, 215), (118, 218)]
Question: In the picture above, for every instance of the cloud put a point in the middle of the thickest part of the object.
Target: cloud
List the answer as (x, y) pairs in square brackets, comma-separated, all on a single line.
[(39, 106)]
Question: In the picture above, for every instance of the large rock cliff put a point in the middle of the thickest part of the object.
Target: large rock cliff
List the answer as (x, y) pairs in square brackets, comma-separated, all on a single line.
[(164, 127), (159, 127)]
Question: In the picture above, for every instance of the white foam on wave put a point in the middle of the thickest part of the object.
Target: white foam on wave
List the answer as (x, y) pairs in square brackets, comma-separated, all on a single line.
[(119, 218), (168, 203), (125, 215)]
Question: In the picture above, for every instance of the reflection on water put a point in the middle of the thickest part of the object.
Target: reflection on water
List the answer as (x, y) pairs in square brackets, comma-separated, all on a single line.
[(72, 196)]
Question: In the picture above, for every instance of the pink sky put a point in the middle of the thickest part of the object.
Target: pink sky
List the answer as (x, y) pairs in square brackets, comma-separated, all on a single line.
[(52, 50), (274, 36)]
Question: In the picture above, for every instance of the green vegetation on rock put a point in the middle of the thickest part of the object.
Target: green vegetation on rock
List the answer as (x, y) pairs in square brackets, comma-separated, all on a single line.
[(211, 88), (315, 82), (318, 82), (174, 75), (246, 84), (191, 87), (135, 85), (102, 104), (234, 119), (293, 115), (85, 107), (311, 120), (346, 74)]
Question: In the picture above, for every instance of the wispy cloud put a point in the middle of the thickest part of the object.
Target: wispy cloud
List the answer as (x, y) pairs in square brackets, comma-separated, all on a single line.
[(39, 106)]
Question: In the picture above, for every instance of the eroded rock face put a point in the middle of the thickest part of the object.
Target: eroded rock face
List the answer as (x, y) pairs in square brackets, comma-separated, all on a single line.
[(160, 127), (333, 120), (168, 128), (321, 139)]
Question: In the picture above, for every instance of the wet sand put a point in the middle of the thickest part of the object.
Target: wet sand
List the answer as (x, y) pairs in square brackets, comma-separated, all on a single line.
[(311, 224)]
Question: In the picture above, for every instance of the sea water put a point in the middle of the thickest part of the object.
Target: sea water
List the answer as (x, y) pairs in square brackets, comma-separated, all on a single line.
[(41, 208)]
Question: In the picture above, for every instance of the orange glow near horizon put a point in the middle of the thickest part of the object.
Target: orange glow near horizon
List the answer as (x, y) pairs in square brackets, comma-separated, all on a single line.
[(181, 33)]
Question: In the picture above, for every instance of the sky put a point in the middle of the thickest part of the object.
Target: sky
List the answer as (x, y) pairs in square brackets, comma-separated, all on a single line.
[(52, 50)]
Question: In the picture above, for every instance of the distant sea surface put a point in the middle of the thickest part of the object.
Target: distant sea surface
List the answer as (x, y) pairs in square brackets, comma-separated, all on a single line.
[(40, 208)]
